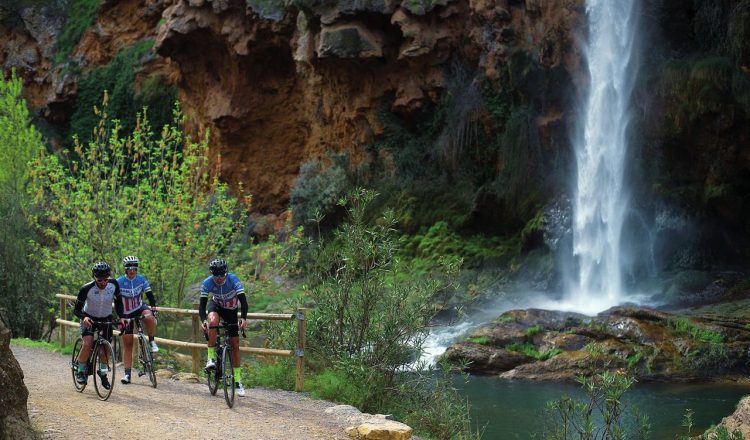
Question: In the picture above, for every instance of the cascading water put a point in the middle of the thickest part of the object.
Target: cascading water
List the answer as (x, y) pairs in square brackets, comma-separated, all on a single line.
[(601, 200)]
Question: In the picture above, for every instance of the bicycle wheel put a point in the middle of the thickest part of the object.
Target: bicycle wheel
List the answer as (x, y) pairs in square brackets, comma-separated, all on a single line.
[(74, 364), (213, 376), (101, 374), (228, 376), (147, 359)]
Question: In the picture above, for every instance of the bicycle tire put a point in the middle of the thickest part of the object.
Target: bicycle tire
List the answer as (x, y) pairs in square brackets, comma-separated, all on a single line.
[(212, 376), (102, 392), (147, 359), (74, 364), (227, 376)]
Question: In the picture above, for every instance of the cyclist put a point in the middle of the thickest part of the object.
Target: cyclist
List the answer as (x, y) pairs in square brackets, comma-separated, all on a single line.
[(227, 292), (132, 287), (94, 304)]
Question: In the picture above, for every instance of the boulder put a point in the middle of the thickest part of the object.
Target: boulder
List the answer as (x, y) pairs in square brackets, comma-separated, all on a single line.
[(368, 426), (14, 418)]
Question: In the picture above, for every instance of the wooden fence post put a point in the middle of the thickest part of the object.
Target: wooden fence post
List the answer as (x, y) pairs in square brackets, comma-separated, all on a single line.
[(196, 353), (62, 327), (300, 351)]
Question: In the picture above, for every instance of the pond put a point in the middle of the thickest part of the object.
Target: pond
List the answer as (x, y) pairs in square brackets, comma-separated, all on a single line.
[(513, 409)]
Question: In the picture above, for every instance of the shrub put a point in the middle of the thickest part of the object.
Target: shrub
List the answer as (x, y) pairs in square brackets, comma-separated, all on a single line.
[(19, 264), (316, 191), (81, 15), (133, 194)]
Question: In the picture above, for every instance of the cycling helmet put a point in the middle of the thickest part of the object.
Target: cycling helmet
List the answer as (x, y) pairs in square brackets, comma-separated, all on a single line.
[(100, 270), (218, 267), (130, 261)]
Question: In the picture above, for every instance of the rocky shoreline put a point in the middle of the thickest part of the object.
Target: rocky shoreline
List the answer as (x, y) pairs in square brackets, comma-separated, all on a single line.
[(653, 345)]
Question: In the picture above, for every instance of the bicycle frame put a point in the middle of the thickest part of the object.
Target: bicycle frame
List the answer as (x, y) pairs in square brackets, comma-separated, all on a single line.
[(145, 357), (224, 371), (99, 346)]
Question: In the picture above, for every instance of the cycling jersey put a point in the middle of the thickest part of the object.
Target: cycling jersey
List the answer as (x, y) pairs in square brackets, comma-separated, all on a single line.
[(132, 293), (224, 295), (97, 303)]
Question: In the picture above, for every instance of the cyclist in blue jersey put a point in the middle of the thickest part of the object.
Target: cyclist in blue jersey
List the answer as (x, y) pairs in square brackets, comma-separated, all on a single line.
[(227, 293), (94, 304), (132, 287)]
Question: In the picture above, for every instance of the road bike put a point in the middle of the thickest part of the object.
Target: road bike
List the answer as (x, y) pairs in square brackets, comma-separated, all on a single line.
[(145, 356), (101, 348), (222, 373)]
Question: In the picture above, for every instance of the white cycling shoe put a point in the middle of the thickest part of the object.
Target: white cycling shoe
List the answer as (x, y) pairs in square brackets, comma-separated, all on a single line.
[(154, 347), (239, 389)]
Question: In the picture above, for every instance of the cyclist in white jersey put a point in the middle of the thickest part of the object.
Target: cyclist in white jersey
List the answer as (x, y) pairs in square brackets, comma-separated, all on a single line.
[(227, 293), (132, 287), (94, 304)]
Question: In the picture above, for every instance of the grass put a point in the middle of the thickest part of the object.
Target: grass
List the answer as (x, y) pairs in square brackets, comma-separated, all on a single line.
[(49, 346), (531, 351), (481, 340)]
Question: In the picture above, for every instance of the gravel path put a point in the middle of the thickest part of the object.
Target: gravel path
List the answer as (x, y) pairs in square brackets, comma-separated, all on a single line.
[(175, 410)]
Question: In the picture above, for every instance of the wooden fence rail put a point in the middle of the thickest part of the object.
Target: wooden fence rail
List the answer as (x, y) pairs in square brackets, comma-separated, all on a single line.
[(298, 352)]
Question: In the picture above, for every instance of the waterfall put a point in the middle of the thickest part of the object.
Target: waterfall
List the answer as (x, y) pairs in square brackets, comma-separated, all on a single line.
[(601, 200)]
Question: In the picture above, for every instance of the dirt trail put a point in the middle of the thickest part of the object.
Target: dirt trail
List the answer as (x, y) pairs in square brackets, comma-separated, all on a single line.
[(175, 410)]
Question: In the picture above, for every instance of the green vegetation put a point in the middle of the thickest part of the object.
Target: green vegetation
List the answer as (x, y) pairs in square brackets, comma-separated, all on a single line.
[(81, 15), (117, 79), (686, 327), (531, 351), (132, 193), (35, 343), (19, 264), (602, 416), (480, 340)]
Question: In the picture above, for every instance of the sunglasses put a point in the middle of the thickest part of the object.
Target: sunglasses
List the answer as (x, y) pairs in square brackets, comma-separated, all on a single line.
[(101, 280), (220, 277), (131, 268)]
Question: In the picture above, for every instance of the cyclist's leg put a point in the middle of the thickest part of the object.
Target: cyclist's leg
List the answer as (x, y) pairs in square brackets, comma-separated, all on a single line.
[(88, 342), (150, 321)]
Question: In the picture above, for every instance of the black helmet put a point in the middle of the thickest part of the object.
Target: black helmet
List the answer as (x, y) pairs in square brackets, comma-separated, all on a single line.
[(218, 267), (130, 261), (100, 270)]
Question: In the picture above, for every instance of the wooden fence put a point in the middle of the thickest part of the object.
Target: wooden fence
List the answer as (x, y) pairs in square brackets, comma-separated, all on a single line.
[(298, 352)]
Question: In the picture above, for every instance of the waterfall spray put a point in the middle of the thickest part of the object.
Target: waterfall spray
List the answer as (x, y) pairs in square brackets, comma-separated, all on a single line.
[(601, 200)]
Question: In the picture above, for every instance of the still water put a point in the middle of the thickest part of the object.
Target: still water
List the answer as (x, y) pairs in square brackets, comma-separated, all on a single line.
[(515, 409)]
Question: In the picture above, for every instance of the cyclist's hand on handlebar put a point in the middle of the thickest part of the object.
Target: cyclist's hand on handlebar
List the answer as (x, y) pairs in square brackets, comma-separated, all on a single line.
[(205, 326), (243, 324), (154, 311), (87, 322), (123, 323)]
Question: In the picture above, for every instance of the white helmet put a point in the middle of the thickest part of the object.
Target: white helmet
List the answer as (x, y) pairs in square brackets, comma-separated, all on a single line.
[(131, 261)]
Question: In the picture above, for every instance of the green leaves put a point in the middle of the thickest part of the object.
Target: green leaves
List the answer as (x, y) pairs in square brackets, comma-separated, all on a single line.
[(135, 193)]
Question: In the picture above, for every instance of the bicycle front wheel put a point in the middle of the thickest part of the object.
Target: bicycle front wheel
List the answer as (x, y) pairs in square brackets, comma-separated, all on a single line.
[(74, 364), (228, 376), (104, 367), (147, 359), (213, 375)]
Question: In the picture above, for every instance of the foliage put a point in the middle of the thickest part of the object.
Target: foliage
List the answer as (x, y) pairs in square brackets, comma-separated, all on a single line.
[(713, 433), (686, 327), (133, 194), (602, 416), (49, 346), (480, 340), (117, 78), (81, 15), (316, 191), (266, 267), (24, 290)]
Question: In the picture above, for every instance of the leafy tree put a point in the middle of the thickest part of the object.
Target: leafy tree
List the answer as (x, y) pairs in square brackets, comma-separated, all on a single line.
[(23, 289), (139, 193)]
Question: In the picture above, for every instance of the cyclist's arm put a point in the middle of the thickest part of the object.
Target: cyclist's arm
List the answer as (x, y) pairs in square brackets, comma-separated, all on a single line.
[(80, 301), (118, 299), (202, 308), (151, 298), (243, 305)]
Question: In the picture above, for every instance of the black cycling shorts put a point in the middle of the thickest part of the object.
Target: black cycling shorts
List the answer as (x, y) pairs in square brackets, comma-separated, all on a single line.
[(128, 330), (228, 316), (106, 329)]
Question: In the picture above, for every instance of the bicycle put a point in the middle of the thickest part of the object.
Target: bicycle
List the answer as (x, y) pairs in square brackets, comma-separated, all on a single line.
[(100, 343), (145, 357), (223, 371)]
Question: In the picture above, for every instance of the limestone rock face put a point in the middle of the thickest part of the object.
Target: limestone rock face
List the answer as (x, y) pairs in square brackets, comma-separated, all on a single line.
[(14, 418)]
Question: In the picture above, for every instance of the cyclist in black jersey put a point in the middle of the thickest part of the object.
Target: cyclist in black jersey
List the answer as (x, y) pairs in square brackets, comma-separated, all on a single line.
[(94, 304)]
